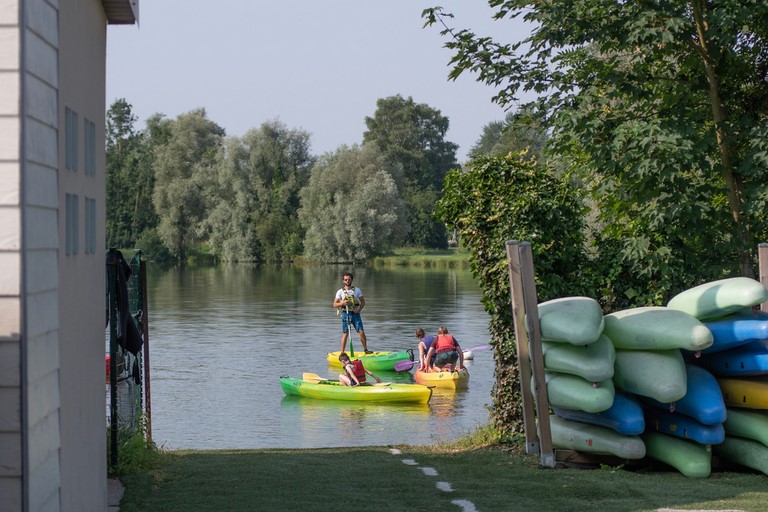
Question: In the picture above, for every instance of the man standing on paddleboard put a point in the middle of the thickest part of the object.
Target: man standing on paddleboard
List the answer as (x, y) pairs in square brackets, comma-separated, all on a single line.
[(349, 299)]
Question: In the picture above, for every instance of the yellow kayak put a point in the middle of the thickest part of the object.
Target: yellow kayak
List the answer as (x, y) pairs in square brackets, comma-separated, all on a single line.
[(449, 380), (747, 393)]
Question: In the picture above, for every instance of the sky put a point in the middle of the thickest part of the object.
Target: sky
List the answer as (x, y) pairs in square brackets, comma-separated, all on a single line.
[(314, 65)]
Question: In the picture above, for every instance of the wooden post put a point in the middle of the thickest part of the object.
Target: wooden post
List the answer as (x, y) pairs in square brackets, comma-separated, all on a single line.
[(525, 311), (537, 356), (762, 259), (521, 340), (145, 325)]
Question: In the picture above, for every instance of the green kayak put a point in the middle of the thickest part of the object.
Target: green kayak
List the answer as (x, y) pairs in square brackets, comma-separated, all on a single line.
[(391, 392), (375, 361)]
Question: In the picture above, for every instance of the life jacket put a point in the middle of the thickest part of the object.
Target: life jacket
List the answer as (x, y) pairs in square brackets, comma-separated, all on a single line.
[(359, 370), (445, 342), (349, 296)]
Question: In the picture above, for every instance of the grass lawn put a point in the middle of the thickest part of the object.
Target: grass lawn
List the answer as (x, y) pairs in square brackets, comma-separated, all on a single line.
[(373, 479)]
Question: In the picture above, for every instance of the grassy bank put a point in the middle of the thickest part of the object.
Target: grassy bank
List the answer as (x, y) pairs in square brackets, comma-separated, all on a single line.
[(492, 478), (424, 258)]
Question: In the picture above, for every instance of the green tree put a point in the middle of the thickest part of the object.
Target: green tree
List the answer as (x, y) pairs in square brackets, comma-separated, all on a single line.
[(412, 135), (184, 170), (497, 199), (254, 214), (351, 208), (660, 108), (517, 132), (123, 145)]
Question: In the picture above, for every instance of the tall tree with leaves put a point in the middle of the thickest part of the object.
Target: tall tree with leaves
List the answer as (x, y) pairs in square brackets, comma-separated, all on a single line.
[(184, 169), (254, 214), (517, 132), (661, 108), (123, 146), (351, 208), (412, 135)]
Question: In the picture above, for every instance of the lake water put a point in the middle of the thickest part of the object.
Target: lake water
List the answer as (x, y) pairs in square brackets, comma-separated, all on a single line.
[(221, 337)]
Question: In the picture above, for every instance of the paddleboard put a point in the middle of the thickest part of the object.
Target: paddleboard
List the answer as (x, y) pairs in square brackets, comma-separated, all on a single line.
[(625, 416), (572, 392), (572, 435), (593, 362), (691, 459), (575, 320), (703, 400), (736, 330), (719, 298), (658, 374), (742, 451), (749, 424), (656, 328), (682, 426), (747, 393), (744, 361)]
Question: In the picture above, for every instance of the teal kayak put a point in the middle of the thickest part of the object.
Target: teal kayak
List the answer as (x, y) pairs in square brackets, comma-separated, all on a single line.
[(391, 392)]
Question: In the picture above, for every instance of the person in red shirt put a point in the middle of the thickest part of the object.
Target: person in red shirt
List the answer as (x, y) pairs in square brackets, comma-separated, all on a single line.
[(447, 352)]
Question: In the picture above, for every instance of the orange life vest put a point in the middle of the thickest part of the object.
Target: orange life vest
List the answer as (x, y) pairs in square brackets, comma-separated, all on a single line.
[(445, 342)]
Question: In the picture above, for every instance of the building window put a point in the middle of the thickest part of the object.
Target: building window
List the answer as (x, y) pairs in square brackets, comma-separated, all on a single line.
[(70, 139), (90, 225), (72, 235), (89, 132)]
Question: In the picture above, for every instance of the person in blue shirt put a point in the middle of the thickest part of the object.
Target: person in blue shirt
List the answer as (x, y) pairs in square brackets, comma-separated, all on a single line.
[(425, 341)]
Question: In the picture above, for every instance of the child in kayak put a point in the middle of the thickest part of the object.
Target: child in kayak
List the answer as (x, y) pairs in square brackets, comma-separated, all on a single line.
[(354, 371)]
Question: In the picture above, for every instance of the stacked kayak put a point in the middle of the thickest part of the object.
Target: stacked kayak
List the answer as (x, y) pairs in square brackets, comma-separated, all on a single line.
[(449, 380), (391, 392), (375, 361)]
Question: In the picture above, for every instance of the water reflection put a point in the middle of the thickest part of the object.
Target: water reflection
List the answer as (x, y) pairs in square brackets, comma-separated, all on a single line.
[(221, 337)]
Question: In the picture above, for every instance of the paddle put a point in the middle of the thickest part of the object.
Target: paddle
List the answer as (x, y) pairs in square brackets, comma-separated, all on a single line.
[(404, 365), (313, 377), (349, 331)]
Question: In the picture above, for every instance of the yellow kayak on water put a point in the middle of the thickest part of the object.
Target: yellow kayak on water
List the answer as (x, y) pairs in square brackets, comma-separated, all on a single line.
[(456, 379)]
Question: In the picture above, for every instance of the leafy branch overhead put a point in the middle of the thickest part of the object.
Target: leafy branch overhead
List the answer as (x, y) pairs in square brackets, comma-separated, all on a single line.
[(659, 108)]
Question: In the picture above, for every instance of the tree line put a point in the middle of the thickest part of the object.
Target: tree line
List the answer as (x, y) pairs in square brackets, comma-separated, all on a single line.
[(182, 184)]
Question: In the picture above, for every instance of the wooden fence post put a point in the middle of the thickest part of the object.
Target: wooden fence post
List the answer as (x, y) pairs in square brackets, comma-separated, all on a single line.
[(531, 359), (762, 260), (521, 341)]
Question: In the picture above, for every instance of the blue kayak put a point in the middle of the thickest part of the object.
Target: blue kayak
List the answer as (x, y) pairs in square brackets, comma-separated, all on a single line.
[(625, 416), (736, 330), (682, 426), (703, 400), (743, 361)]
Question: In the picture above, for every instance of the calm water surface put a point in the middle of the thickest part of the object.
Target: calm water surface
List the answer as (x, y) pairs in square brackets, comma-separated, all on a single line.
[(221, 337)]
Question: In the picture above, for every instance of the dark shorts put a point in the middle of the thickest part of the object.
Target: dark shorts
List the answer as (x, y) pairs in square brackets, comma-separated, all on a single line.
[(448, 356), (357, 321)]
